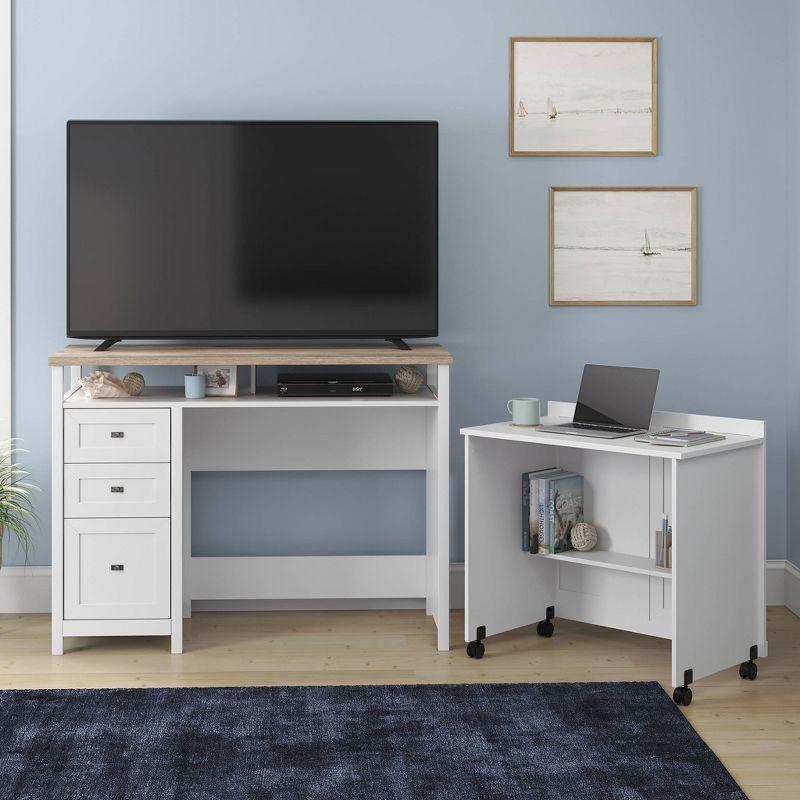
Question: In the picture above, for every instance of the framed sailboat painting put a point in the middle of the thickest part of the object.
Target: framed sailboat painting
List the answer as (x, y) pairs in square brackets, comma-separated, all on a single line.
[(583, 97), (623, 246)]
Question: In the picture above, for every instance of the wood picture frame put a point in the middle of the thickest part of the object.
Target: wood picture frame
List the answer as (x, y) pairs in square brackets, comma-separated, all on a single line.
[(592, 114), (611, 253)]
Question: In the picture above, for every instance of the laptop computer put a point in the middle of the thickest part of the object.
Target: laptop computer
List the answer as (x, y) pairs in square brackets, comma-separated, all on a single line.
[(612, 402)]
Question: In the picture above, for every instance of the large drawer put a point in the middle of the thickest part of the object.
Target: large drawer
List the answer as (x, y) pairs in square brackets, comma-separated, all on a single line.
[(116, 490), (116, 435), (116, 569)]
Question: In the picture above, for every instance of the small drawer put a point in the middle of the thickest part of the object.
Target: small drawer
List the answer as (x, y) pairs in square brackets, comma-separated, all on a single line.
[(116, 490), (116, 569), (102, 435)]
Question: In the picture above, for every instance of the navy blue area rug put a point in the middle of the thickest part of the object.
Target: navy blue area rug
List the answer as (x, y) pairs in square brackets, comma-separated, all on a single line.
[(616, 741)]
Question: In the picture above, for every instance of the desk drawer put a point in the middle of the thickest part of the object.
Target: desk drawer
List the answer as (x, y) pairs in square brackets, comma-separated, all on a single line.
[(116, 569), (116, 490), (94, 435)]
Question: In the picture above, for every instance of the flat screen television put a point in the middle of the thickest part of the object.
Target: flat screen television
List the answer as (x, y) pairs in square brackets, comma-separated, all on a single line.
[(252, 229)]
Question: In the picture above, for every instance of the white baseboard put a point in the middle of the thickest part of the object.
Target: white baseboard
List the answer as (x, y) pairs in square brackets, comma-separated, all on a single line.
[(456, 586), (783, 585), (791, 597), (776, 579), (26, 590)]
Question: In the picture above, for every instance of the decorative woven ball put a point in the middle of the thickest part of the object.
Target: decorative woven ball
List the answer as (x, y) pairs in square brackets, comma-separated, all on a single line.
[(584, 536), (133, 383), (408, 379)]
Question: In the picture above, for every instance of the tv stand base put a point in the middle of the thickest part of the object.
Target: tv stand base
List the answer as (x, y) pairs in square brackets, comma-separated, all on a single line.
[(398, 342), (105, 344)]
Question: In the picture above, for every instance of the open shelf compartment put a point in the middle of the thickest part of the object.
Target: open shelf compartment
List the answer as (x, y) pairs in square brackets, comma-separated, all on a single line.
[(616, 585)]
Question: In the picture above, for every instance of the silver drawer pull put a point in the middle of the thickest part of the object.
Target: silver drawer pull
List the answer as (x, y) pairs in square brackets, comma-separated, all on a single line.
[(117, 567), (117, 489), (117, 434)]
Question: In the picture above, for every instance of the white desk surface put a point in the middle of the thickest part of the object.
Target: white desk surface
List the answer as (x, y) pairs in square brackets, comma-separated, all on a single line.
[(509, 432)]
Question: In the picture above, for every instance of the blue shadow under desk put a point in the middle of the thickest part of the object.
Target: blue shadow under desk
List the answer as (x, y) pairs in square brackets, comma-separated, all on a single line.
[(301, 513)]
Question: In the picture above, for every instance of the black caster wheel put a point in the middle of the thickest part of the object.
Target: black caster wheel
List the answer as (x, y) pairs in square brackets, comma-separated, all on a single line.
[(682, 696), (545, 628), (748, 670), (476, 649)]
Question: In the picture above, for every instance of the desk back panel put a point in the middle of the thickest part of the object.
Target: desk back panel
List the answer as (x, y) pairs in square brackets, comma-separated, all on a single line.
[(243, 439)]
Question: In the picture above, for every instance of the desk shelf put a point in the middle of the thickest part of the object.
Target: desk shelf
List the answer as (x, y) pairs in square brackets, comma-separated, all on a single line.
[(266, 397), (606, 559)]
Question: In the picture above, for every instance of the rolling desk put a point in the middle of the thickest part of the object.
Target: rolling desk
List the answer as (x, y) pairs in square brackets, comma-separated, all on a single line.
[(121, 485), (711, 604)]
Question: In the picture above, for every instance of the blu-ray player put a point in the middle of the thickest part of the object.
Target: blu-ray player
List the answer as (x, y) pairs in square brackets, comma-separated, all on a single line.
[(355, 384)]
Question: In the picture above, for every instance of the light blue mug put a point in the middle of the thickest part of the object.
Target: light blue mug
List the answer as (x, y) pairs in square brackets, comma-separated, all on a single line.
[(194, 386), (524, 411)]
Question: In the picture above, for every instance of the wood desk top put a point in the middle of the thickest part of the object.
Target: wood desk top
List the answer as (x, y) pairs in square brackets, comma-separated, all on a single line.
[(122, 355)]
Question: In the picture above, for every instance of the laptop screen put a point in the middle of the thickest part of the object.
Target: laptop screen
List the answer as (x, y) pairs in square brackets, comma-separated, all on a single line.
[(616, 396)]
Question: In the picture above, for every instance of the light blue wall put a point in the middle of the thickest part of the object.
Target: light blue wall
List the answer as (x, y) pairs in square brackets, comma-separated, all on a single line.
[(279, 515), (793, 293), (724, 85)]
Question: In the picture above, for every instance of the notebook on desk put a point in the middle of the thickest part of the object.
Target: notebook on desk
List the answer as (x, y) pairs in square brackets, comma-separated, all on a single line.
[(679, 437)]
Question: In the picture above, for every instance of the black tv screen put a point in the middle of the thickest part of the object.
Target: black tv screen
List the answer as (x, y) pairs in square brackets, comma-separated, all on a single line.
[(256, 229)]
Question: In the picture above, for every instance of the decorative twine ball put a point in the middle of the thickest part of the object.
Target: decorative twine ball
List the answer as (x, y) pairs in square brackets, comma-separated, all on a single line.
[(133, 383), (408, 379), (584, 536)]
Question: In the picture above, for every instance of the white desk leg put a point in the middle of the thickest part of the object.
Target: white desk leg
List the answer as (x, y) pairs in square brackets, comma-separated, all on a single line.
[(75, 375), (57, 523), (431, 505), (717, 561), (186, 534), (441, 552), (176, 533), (503, 588)]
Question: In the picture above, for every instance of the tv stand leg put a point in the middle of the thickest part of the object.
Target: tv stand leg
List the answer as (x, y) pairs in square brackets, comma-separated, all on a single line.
[(106, 343), (398, 342)]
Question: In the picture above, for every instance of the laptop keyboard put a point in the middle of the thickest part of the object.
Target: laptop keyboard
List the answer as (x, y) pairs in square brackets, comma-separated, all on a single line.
[(610, 428)]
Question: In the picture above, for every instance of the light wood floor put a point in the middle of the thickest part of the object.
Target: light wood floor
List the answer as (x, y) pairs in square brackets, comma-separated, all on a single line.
[(753, 726)]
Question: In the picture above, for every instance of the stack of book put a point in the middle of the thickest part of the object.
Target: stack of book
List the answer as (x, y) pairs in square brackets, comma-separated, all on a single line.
[(552, 505)]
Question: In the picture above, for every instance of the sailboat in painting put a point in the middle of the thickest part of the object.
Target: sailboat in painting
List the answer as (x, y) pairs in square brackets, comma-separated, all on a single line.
[(552, 113), (522, 112), (647, 249)]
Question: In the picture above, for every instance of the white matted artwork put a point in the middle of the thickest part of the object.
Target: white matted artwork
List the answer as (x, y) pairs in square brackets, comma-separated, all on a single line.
[(572, 96), (623, 246), (220, 381)]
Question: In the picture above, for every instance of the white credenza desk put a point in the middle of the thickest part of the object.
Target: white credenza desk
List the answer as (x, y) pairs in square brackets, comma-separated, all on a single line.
[(121, 528), (711, 603)]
